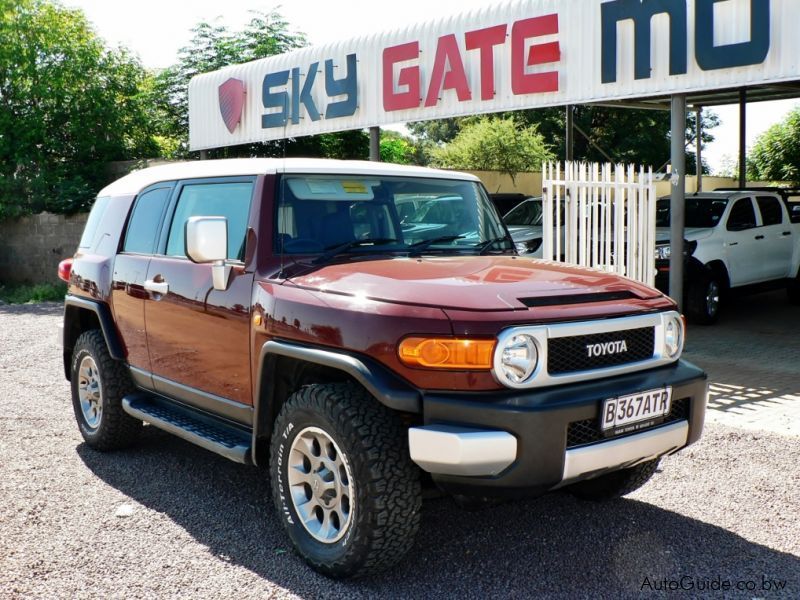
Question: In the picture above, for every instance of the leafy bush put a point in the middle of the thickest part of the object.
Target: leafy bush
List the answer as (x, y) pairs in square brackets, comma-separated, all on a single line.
[(494, 144), (21, 294)]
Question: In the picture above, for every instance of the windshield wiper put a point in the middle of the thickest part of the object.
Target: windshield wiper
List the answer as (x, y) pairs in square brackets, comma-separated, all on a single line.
[(418, 247), (483, 247), (333, 251)]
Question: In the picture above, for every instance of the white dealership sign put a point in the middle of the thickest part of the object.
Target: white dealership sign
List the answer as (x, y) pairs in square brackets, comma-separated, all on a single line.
[(507, 56)]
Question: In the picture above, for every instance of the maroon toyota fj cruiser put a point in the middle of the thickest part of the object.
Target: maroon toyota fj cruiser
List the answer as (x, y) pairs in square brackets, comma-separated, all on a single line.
[(365, 329)]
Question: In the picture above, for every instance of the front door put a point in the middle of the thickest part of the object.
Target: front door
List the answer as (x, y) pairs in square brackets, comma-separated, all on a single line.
[(128, 295), (198, 337), (742, 247), (778, 238)]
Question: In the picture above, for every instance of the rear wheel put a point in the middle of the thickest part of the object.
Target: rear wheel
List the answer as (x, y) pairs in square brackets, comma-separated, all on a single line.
[(704, 299), (98, 385), (616, 484), (345, 488)]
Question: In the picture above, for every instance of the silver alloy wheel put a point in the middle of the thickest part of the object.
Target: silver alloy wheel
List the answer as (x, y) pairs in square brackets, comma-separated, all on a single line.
[(321, 485), (712, 298), (90, 392)]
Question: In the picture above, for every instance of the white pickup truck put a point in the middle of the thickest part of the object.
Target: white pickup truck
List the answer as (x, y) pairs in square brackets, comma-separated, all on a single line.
[(736, 240)]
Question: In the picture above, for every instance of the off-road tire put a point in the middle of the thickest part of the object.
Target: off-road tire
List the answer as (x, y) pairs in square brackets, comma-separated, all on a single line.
[(699, 308), (615, 484), (116, 429), (386, 484)]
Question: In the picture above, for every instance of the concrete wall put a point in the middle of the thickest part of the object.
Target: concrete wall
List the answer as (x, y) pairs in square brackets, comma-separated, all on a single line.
[(31, 247)]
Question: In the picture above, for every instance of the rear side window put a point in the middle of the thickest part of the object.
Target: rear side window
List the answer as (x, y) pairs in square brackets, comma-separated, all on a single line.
[(229, 200), (92, 224), (145, 221), (742, 216), (771, 211)]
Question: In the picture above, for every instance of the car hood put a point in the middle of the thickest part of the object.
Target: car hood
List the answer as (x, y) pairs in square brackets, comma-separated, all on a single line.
[(690, 233), (481, 283)]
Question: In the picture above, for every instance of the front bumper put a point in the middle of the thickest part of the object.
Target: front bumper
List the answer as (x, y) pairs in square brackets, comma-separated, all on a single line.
[(529, 442)]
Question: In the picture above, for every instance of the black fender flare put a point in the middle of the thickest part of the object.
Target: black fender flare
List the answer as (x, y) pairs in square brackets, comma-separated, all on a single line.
[(380, 382), (72, 305)]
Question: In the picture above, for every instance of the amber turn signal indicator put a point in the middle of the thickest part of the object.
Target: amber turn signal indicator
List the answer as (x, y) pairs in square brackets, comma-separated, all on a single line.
[(447, 353)]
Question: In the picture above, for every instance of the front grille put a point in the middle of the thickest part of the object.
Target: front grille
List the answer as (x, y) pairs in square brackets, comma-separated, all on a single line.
[(581, 433), (571, 355)]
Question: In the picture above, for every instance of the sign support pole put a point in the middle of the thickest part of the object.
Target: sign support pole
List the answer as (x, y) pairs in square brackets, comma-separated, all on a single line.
[(570, 137), (375, 144), (742, 138), (699, 146), (678, 198)]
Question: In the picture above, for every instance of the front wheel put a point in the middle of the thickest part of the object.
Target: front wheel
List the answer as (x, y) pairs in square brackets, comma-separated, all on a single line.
[(344, 486), (615, 484), (704, 299)]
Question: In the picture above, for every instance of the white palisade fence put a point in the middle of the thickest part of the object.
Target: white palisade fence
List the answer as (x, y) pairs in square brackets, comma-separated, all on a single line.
[(607, 220)]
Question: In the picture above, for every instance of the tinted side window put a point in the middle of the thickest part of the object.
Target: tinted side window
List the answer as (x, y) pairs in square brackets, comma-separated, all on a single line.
[(95, 217), (229, 200), (742, 215), (771, 212), (145, 221)]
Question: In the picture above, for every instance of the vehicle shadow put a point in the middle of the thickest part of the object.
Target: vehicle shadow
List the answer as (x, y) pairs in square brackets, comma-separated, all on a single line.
[(555, 546)]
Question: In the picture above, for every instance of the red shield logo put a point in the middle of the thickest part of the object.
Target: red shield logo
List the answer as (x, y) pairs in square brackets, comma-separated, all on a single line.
[(231, 102)]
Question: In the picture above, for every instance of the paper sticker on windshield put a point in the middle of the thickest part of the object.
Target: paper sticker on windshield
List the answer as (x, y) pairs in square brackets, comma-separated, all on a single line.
[(354, 187), (320, 186)]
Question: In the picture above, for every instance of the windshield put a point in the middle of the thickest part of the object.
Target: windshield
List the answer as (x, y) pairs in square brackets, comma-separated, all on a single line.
[(527, 213), (700, 212), (375, 214)]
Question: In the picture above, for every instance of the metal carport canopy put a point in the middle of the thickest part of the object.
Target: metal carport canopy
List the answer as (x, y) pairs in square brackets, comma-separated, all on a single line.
[(522, 54)]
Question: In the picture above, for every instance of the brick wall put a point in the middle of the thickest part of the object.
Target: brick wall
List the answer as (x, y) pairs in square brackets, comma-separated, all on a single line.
[(31, 247)]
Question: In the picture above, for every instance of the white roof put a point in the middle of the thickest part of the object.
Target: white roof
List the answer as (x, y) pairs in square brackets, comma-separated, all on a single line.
[(136, 181)]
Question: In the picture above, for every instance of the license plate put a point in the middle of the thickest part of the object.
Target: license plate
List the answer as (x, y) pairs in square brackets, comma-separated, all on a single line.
[(635, 411)]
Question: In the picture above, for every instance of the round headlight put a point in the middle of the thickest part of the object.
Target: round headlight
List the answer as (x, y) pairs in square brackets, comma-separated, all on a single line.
[(518, 358), (673, 337)]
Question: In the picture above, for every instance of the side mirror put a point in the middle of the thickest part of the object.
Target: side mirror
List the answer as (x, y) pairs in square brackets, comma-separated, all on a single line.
[(206, 241)]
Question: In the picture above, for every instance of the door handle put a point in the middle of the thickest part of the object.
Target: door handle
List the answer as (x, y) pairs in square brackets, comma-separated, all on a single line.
[(733, 244), (787, 233), (759, 237), (156, 287)]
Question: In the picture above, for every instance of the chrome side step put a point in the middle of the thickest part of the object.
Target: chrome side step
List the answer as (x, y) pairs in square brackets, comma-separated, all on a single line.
[(208, 432)]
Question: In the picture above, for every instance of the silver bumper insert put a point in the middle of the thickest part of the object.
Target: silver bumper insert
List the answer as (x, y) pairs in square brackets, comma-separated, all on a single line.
[(449, 450), (624, 452)]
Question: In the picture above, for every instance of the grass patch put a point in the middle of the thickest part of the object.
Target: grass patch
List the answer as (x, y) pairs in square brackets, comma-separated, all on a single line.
[(43, 292)]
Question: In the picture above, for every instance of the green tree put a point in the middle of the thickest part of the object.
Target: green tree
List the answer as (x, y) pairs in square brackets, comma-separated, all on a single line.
[(494, 143), (213, 47), (68, 106), (776, 153), (216, 46)]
